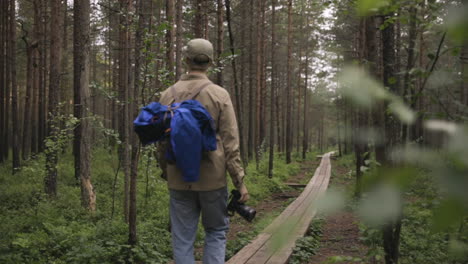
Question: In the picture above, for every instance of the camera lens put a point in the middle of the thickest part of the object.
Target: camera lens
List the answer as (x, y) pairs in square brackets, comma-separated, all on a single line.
[(248, 213)]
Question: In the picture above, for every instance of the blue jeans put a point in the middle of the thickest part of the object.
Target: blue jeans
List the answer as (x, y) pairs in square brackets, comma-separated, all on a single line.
[(185, 209)]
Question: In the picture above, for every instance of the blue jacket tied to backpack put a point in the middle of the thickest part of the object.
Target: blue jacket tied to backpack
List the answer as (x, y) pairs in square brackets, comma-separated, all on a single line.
[(189, 128)]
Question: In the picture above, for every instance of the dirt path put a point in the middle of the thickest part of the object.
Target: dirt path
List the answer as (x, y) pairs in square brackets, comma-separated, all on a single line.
[(340, 231), (340, 238)]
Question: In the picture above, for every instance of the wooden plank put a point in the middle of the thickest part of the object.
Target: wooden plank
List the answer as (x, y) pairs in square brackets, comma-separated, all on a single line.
[(248, 251), (295, 220), (281, 256), (296, 185)]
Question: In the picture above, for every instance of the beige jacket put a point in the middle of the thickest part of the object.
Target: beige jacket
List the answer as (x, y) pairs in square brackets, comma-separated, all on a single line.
[(214, 164)]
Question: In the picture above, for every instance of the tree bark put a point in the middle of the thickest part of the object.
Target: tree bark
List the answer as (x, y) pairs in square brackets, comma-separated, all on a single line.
[(198, 19), (3, 105), (54, 85), (220, 41), (179, 38), (236, 84), (170, 36), (258, 103), (81, 49), (42, 77), (139, 57), (251, 143), (272, 90), (123, 99), (14, 86), (289, 87), (408, 83), (305, 133)]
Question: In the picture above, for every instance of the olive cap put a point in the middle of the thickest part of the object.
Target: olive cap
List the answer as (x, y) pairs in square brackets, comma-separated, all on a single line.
[(197, 47)]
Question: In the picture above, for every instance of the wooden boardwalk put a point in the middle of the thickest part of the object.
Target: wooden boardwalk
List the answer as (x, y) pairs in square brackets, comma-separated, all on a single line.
[(275, 243)]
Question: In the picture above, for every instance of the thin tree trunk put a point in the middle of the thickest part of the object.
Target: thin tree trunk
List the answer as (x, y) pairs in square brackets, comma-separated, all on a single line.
[(6, 70), (305, 138), (123, 98), (289, 87), (54, 86), (198, 19), (251, 145), (258, 78), (36, 82), (272, 90), (3, 105), (220, 42), (14, 87), (408, 84), (27, 121), (170, 36), (81, 50), (236, 85), (42, 77), (179, 38)]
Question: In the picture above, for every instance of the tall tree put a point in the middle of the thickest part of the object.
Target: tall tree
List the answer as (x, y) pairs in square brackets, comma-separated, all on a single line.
[(198, 19), (14, 86), (54, 85), (179, 38), (272, 89), (251, 125), (170, 35), (43, 69), (392, 229), (82, 104), (123, 74), (3, 105), (236, 83), (220, 39), (289, 87)]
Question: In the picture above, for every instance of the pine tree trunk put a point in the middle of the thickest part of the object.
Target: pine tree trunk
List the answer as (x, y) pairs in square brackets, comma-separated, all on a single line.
[(179, 38), (408, 83), (251, 141), (27, 101), (170, 36), (123, 98), (82, 103), (54, 86), (198, 19), (14, 87), (219, 40), (272, 90), (289, 87), (3, 105), (236, 84), (42, 78), (258, 79), (6, 70), (36, 80), (305, 138), (139, 58)]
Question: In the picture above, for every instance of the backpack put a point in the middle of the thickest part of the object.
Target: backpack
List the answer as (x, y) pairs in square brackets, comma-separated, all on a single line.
[(185, 124)]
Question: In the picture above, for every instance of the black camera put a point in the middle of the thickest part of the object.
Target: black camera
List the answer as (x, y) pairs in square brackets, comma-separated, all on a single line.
[(248, 213)]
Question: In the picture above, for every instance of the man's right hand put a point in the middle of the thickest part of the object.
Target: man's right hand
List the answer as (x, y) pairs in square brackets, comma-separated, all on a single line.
[(244, 194)]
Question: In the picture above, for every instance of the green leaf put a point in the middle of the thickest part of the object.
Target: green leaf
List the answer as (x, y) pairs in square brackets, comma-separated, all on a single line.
[(367, 7)]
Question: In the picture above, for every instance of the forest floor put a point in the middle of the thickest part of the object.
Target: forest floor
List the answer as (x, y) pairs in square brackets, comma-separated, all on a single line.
[(340, 231), (341, 235)]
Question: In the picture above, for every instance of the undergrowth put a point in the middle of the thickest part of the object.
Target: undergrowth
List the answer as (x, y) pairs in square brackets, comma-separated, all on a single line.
[(36, 229)]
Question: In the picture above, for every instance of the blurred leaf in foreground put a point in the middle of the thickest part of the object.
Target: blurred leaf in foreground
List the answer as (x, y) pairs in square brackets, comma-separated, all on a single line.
[(365, 91), (381, 205), (367, 7), (331, 202)]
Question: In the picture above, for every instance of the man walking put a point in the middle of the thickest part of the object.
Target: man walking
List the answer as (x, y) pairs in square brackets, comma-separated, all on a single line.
[(208, 196)]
